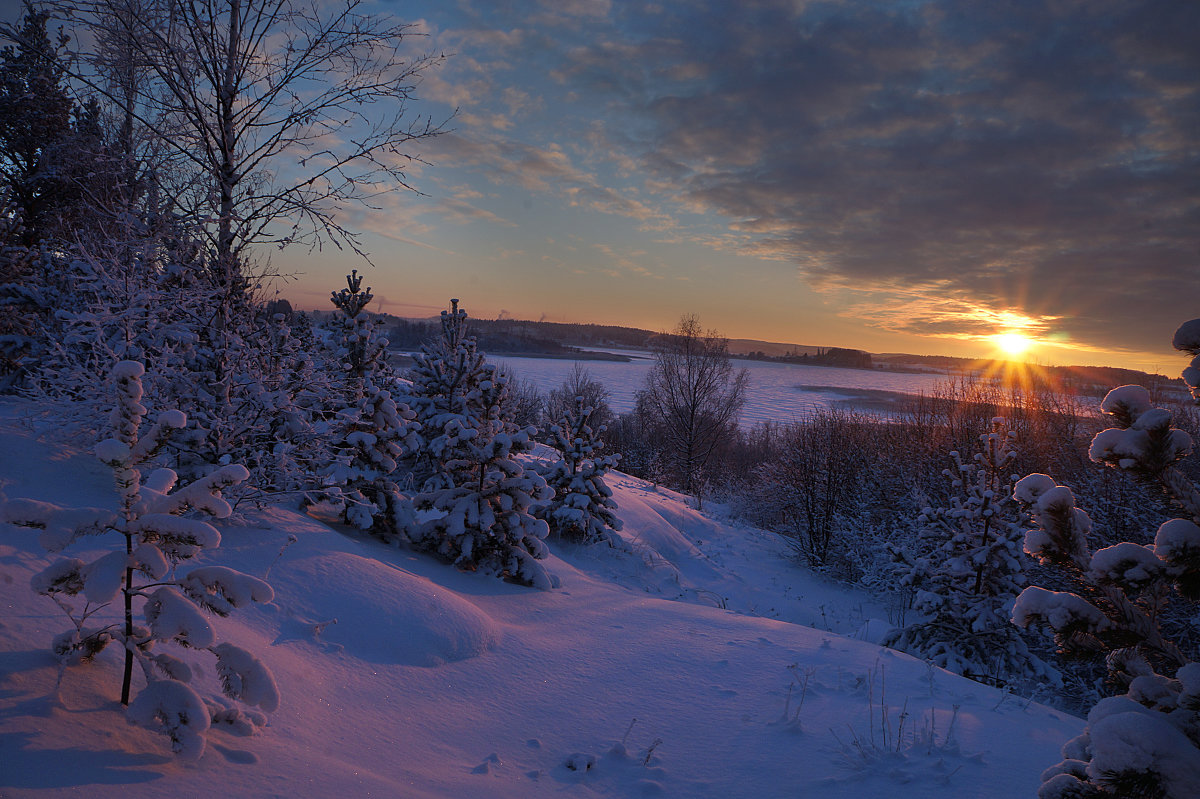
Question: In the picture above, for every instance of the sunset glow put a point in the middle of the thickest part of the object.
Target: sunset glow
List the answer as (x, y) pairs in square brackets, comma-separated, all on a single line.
[(1013, 343)]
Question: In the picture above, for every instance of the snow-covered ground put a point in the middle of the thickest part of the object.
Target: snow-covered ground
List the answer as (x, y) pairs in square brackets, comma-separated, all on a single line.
[(778, 392), (707, 664)]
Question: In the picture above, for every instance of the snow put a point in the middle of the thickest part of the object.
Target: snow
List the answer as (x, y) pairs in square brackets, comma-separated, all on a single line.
[(1058, 609), (382, 614), (61, 575), (245, 677), (128, 370), (1127, 737), (777, 392), (176, 710), (1031, 487), (1176, 539), (1126, 564), (59, 526), (1133, 399), (102, 577), (1129, 448), (680, 668), (110, 450), (172, 616), (174, 419), (1187, 337), (222, 589)]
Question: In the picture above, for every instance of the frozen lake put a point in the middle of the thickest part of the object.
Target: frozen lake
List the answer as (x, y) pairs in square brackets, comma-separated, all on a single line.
[(779, 392)]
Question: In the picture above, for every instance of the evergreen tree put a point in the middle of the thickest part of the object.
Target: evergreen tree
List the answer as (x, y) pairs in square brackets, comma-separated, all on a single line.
[(155, 538), (23, 302), (287, 448), (1145, 742), (35, 117), (582, 508), (373, 431), (447, 376), (971, 572), (473, 477)]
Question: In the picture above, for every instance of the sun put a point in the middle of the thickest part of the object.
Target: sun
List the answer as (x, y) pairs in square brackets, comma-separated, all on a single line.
[(1012, 343)]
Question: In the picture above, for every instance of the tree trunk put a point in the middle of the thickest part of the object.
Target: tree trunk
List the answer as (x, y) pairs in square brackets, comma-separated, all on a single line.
[(127, 679)]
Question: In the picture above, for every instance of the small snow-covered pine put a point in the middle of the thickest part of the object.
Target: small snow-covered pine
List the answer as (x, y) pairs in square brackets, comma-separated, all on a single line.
[(970, 572), (582, 508), (158, 528), (482, 491), (372, 431), (446, 395)]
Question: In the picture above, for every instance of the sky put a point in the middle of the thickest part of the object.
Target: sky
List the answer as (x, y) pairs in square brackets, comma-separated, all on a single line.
[(898, 176)]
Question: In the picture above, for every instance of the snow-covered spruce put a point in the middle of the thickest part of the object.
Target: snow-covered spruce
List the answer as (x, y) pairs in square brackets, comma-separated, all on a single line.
[(582, 508), (141, 574), (969, 572), (372, 430), (473, 479), (445, 393), (1146, 742)]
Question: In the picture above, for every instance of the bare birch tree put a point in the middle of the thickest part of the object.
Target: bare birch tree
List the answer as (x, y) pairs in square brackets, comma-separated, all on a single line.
[(288, 111), (694, 395)]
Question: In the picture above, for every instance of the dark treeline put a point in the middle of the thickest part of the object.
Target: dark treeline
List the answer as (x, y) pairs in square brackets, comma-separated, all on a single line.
[(496, 336), (824, 356), (536, 336)]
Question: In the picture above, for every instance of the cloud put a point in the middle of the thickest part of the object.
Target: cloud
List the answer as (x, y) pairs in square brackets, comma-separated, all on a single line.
[(1029, 156), (542, 169), (629, 263)]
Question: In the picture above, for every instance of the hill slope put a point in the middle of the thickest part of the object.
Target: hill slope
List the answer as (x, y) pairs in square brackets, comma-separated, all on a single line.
[(630, 680)]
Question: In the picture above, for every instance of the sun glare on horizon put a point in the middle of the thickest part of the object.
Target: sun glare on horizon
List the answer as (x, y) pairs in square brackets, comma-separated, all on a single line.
[(1012, 343)]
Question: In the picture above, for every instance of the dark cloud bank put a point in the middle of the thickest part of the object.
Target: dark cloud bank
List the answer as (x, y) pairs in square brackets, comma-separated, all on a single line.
[(914, 157)]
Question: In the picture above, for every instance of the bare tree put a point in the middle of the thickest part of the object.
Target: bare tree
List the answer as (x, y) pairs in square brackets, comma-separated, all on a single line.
[(579, 383), (288, 111), (694, 395), (815, 482)]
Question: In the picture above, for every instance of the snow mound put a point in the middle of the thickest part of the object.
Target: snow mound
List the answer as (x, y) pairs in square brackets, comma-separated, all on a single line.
[(383, 614), (654, 521)]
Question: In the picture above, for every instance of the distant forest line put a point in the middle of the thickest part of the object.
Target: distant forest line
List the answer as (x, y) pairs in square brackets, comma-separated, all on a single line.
[(565, 340)]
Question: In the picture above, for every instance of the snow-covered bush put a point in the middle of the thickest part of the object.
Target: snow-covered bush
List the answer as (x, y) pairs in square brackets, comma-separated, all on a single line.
[(1146, 742), (372, 431), (157, 529), (473, 479), (582, 508), (969, 571)]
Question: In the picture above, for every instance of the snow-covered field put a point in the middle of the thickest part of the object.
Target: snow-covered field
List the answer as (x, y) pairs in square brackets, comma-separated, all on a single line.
[(707, 664), (778, 392)]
